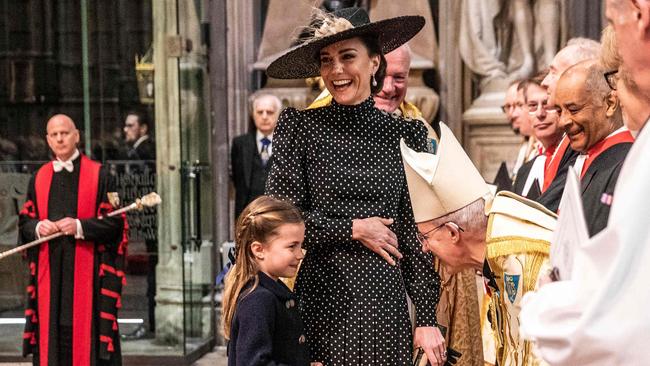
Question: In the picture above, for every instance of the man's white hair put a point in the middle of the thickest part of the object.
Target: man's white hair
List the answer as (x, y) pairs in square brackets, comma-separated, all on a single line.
[(471, 217), (275, 99), (582, 49)]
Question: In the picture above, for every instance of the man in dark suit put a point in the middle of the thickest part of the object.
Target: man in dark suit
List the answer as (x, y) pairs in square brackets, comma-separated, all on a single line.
[(251, 153), (136, 134), (142, 153), (591, 117)]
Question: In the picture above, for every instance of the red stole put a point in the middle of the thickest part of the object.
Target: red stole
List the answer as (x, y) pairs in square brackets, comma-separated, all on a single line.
[(553, 164), (604, 144), (83, 265)]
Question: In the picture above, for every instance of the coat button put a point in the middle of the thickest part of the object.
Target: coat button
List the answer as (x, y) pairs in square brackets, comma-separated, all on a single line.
[(302, 339), (290, 303)]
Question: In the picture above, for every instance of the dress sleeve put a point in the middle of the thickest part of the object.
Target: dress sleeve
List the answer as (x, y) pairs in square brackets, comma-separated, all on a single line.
[(288, 180), (420, 278), (415, 135)]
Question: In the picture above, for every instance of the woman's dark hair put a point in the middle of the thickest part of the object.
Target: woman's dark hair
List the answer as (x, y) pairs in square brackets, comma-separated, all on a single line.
[(374, 48)]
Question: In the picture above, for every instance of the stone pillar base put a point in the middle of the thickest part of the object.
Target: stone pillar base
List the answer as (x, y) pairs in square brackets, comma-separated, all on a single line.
[(169, 306), (488, 138)]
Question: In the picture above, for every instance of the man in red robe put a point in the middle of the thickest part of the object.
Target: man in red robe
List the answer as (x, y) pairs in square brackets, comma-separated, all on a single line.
[(76, 279)]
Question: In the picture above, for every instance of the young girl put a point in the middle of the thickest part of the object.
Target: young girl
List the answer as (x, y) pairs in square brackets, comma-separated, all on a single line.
[(260, 314)]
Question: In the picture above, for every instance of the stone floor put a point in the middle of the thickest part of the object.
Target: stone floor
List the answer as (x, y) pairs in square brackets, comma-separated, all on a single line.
[(134, 302), (215, 358)]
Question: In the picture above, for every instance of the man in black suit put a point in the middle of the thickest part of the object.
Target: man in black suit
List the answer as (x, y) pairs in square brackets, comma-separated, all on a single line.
[(591, 117), (251, 153), (142, 153), (136, 134)]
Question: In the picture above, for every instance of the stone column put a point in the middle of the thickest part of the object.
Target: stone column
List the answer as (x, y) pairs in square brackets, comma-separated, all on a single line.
[(241, 56), (169, 277), (451, 67)]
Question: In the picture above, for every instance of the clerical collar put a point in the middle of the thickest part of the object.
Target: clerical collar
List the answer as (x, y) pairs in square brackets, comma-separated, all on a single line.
[(259, 136), (140, 140)]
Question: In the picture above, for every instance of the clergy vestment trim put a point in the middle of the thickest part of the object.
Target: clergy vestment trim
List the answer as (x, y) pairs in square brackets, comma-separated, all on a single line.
[(619, 137), (551, 170), (83, 266)]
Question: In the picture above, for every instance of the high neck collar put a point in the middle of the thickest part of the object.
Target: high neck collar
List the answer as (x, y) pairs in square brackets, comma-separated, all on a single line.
[(367, 104), (278, 288)]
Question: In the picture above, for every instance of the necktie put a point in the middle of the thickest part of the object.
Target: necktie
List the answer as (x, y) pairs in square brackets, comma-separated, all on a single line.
[(60, 165), (264, 154)]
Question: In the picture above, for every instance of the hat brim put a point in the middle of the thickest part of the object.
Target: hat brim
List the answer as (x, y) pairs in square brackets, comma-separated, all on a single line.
[(302, 61)]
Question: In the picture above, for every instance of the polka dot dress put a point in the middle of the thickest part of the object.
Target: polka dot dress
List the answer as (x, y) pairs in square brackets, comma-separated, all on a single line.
[(340, 163)]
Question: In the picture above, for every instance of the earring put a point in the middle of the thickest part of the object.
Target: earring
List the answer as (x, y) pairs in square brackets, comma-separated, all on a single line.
[(374, 81)]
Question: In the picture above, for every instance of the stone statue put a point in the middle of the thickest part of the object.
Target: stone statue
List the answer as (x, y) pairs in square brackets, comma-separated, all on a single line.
[(505, 40)]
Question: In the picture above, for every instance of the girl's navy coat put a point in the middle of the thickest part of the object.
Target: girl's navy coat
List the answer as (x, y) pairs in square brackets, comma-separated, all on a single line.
[(266, 328)]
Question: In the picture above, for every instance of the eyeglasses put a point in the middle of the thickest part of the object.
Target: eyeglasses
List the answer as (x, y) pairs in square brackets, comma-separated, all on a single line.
[(611, 78), (533, 107), (422, 238)]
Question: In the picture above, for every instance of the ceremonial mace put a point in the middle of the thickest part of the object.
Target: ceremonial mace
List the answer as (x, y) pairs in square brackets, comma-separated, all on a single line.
[(150, 200)]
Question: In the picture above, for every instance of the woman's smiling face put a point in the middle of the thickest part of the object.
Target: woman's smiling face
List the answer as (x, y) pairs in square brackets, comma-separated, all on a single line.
[(346, 68)]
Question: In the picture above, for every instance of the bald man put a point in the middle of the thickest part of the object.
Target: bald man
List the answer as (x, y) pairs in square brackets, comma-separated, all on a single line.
[(75, 279), (591, 117), (557, 166)]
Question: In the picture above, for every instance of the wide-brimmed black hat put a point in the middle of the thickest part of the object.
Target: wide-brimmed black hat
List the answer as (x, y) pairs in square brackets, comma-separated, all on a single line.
[(302, 61)]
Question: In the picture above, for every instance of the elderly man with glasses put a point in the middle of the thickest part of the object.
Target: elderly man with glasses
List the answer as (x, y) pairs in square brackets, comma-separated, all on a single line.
[(508, 237), (544, 121)]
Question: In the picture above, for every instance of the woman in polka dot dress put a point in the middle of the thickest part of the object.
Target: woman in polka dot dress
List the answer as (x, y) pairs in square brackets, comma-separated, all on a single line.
[(341, 166)]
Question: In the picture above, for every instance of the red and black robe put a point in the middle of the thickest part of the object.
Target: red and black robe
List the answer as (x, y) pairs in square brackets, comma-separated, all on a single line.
[(599, 176), (75, 283)]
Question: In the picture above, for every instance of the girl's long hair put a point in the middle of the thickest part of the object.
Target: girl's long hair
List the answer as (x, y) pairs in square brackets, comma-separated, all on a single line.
[(259, 220)]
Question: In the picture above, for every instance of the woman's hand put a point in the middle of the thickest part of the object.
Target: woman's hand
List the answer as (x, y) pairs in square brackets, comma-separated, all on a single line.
[(433, 344), (375, 235), (315, 364)]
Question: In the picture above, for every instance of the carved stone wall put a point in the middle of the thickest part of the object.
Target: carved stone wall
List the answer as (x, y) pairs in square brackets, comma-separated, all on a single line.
[(486, 134)]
